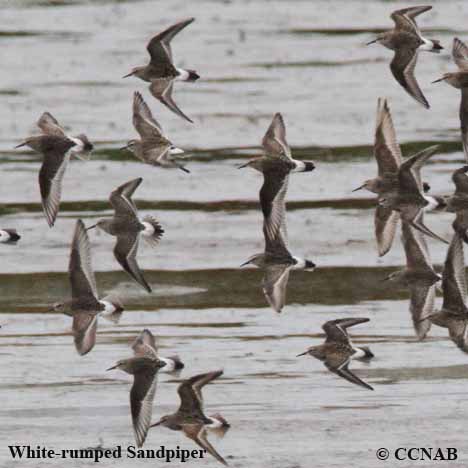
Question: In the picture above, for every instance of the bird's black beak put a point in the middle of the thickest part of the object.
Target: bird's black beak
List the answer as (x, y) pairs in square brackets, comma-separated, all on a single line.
[(156, 424), (130, 74), (110, 368), (437, 81), (123, 148), (371, 42), (303, 354), (385, 279), (91, 227), (359, 188), (20, 145)]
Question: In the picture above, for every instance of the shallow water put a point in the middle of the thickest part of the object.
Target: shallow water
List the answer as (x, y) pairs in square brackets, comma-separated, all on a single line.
[(307, 60)]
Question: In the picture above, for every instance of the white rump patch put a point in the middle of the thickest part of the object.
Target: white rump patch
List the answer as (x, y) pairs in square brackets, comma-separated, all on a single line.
[(4, 236), (183, 75), (170, 365), (300, 166), (300, 263), (175, 151), (79, 144), (215, 423), (149, 229), (109, 308), (433, 203), (428, 45), (358, 354)]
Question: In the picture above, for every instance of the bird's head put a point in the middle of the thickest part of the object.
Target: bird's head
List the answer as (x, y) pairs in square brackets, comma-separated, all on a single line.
[(136, 71), (379, 38), (370, 185), (161, 422), (119, 365), (130, 146), (314, 351)]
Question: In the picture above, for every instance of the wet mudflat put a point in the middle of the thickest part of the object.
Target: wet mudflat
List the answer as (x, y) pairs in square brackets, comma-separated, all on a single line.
[(307, 60)]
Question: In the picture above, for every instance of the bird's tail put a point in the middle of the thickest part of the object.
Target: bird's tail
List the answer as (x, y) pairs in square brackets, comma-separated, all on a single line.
[(115, 315), (432, 45), (153, 230)]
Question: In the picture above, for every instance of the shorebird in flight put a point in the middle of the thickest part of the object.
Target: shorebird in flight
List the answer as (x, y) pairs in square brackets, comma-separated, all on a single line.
[(276, 260), (56, 152), (276, 151), (190, 416), (459, 80), (407, 41), (85, 305), (409, 199), (153, 147), (419, 277), (161, 72), (338, 351), (454, 313), (387, 154), (146, 343), (144, 367), (9, 236), (127, 227), (50, 126)]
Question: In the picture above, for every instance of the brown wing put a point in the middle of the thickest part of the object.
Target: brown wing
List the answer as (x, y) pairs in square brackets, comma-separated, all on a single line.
[(416, 250), (121, 198), (154, 151), (460, 54), (141, 403), (453, 277), (409, 175), (272, 201), (274, 142), (460, 224), (458, 332), (143, 121), (162, 90), (84, 331), (159, 47), (191, 400), (422, 299), (460, 179), (125, 251), (386, 148), (463, 113), (385, 223), (405, 18), (80, 270), (49, 125), (402, 67), (414, 215), (198, 433), (51, 174), (145, 345), (275, 283), (346, 374), (336, 330)]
